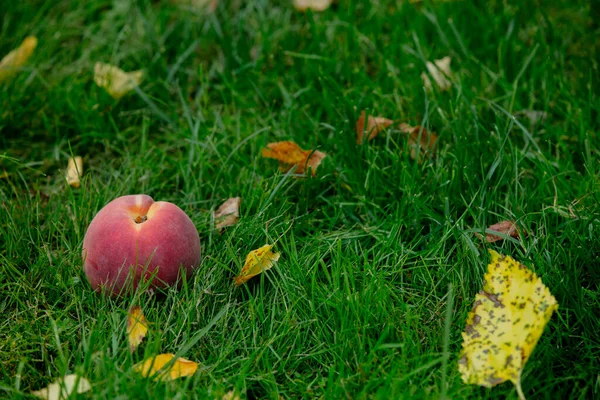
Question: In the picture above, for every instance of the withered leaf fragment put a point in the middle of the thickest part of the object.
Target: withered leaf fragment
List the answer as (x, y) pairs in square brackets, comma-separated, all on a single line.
[(374, 126), (440, 71), (74, 171), (290, 155), (116, 81), (509, 228), (421, 141), (314, 5), (13, 61), (64, 388), (257, 261), (228, 214), (137, 327)]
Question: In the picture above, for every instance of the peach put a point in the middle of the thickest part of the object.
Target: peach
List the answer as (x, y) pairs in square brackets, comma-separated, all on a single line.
[(134, 239)]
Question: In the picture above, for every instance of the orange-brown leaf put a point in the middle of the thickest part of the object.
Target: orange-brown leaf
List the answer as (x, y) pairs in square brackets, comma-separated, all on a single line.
[(228, 214), (374, 126), (137, 327), (420, 140), (508, 228), (290, 155), (257, 261), (156, 365)]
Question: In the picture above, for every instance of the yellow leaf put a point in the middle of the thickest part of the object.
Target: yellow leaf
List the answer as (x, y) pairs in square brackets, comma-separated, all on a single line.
[(508, 318), (257, 261), (13, 61), (440, 71), (290, 154), (228, 214), (74, 171), (137, 327), (63, 388), (178, 369), (314, 5), (231, 395), (374, 126), (116, 81)]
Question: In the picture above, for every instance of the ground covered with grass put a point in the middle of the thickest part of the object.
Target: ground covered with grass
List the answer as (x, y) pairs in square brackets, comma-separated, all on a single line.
[(380, 261)]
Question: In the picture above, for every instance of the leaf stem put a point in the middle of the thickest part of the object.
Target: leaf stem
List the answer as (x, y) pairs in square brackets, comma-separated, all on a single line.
[(519, 389)]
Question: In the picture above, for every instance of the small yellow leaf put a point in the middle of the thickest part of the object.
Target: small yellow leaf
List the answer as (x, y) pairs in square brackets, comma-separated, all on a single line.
[(440, 71), (257, 261), (74, 171), (421, 141), (13, 61), (374, 126), (231, 395), (116, 81), (137, 327), (291, 155), (63, 388), (314, 5), (156, 365), (508, 318), (228, 214)]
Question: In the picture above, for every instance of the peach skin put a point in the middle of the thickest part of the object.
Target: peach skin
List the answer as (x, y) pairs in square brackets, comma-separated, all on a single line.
[(134, 239)]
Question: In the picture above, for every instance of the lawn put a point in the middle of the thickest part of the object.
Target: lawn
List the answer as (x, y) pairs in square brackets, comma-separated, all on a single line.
[(380, 253)]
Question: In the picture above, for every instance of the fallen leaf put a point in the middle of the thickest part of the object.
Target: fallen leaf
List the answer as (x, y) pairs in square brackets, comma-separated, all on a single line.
[(13, 61), (257, 261), (156, 365), (231, 395), (63, 388), (440, 71), (314, 5), (420, 141), (534, 116), (202, 5), (509, 228), (228, 214), (74, 171), (116, 81), (290, 155), (137, 327), (374, 126), (507, 320)]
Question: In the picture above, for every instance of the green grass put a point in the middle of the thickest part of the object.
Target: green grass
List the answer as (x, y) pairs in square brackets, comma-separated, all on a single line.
[(372, 248)]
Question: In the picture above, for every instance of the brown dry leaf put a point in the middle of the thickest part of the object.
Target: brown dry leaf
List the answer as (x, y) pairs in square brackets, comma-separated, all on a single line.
[(153, 365), (137, 327), (421, 141), (228, 214), (314, 5), (374, 126), (202, 5), (13, 61), (440, 72), (116, 81), (509, 228), (74, 171), (257, 261), (63, 388), (289, 154)]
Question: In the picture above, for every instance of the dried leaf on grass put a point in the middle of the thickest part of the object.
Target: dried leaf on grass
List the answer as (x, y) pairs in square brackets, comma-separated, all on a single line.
[(64, 388), (228, 214), (374, 126), (257, 261), (116, 81), (420, 140), (74, 171), (290, 155), (508, 228), (440, 71), (13, 61), (156, 367), (137, 327), (314, 5), (231, 395), (506, 322), (202, 5)]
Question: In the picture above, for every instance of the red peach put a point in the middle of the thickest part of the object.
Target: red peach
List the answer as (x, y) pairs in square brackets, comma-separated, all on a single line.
[(134, 239)]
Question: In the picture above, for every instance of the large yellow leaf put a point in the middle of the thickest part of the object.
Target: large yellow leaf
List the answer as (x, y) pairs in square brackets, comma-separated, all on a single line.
[(14, 60), (291, 155), (116, 81), (156, 366), (63, 388), (508, 318), (137, 327), (257, 261)]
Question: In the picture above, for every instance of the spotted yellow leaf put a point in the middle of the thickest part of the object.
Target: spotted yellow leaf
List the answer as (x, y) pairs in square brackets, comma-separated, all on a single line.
[(157, 367), (116, 81), (257, 261), (508, 318), (64, 388), (13, 61), (137, 327)]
